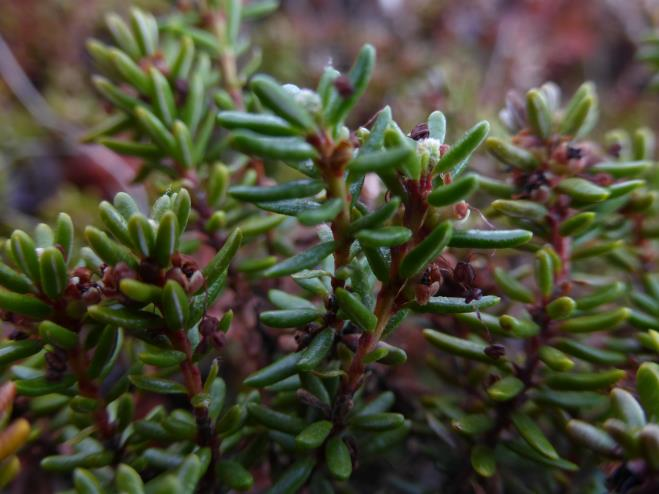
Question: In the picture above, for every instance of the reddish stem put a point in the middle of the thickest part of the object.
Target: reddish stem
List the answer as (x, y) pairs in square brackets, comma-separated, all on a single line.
[(206, 436), (563, 247), (414, 217), (79, 364), (191, 374)]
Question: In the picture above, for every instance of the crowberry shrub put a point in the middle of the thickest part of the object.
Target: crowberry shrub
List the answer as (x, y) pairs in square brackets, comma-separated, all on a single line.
[(277, 224)]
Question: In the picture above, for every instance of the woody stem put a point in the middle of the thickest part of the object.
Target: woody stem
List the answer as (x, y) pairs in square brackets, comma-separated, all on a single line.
[(89, 389), (192, 376)]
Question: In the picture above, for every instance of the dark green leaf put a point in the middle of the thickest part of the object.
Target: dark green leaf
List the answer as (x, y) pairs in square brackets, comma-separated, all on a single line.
[(126, 318), (355, 309), (282, 103), (533, 435), (510, 154), (386, 236), (489, 239), (376, 218), (505, 389), (511, 287), (604, 321), (454, 305), (338, 459), (584, 381), (459, 190), (289, 190), (275, 372), (582, 190), (378, 161), (39, 386), (283, 148), (647, 384), (589, 353), (53, 273), (458, 346), (234, 475), (483, 460), (289, 318), (275, 420), (622, 170), (24, 253), (175, 305), (157, 385), (538, 113), (12, 351), (262, 124), (25, 305), (292, 480), (14, 281), (305, 260), (313, 436), (462, 150), (317, 350)]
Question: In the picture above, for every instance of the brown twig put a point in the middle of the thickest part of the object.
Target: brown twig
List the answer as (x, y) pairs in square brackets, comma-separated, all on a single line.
[(67, 134)]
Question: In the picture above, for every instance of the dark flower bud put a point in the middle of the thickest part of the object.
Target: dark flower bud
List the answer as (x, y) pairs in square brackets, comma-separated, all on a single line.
[(92, 295), (208, 325), (178, 276), (464, 273), (187, 264), (197, 281), (420, 131), (218, 339), (149, 272), (343, 86), (422, 293)]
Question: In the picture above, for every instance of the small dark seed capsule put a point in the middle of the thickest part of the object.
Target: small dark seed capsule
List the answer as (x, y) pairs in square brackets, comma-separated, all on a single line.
[(187, 264), (218, 340), (464, 273), (573, 152), (344, 86), (495, 351), (302, 338), (425, 279), (208, 325), (614, 150), (84, 275), (122, 270), (150, 272), (351, 329), (435, 273), (18, 335), (55, 362), (196, 282), (420, 131), (422, 294), (92, 295), (179, 277), (473, 294), (461, 210)]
